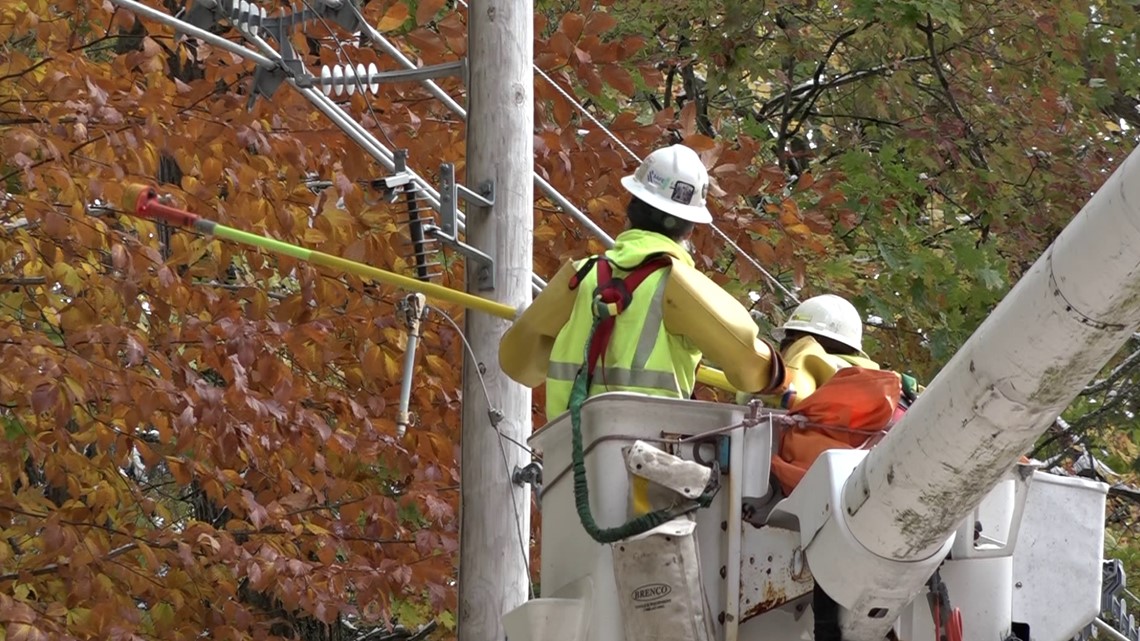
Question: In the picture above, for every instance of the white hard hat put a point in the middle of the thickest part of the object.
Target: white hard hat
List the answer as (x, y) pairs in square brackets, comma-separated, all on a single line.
[(674, 180), (829, 316)]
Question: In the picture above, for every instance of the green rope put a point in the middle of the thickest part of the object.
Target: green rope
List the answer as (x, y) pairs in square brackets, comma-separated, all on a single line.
[(639, 525)]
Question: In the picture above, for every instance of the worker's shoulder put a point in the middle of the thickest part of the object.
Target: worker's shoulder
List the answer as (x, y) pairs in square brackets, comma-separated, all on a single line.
[(686, 272), (690, 287)]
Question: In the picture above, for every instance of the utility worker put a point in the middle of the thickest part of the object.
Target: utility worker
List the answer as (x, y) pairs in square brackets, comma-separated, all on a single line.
[(641, 309), (823, 335)]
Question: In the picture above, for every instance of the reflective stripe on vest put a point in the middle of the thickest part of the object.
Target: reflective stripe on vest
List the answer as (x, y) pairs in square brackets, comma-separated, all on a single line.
[(642, 356)]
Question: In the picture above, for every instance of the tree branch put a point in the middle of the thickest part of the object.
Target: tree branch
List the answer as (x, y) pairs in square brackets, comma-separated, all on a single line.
[(1127, 365), (26, 71), (53, 567), (978, 158), (808, 102)]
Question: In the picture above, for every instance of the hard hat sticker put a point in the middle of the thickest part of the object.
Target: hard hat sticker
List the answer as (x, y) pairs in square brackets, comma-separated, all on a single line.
[(654, 178), (683, 192)]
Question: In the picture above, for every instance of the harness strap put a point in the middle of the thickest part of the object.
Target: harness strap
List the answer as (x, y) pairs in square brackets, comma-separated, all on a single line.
[(576, 279), (611, 298)]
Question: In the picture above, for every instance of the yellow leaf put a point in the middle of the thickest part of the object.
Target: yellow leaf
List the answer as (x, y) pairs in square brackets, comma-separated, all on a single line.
[(314, 236), (392, 367), (437, 364), (25, 632), (373, 361), (799, 229), (395, 17), (73, 386), (163, 615), (315, 529), (544, 232), (67, 276)]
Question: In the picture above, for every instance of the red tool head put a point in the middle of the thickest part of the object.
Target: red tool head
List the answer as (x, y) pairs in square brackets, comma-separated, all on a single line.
[(135, 198), (142, 200)]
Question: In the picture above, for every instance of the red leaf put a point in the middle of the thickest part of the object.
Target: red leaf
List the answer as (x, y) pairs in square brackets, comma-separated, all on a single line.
[(44, 397), (620, 79), (257, 514), (599, 23), (14, 611), (571, 26), (437, 509), (25, 632)]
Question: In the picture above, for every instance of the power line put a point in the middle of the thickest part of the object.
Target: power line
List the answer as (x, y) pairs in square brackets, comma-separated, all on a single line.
[(618, 141)]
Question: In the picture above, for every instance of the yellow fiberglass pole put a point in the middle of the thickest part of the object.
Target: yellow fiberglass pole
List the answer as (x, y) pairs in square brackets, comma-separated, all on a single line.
[(143, 201)]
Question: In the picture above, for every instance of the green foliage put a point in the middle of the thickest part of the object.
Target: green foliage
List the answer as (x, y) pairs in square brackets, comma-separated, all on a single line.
[(913, 155)]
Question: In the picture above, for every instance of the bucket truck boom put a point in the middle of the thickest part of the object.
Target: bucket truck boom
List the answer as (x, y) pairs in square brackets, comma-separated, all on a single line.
[(875, 530)]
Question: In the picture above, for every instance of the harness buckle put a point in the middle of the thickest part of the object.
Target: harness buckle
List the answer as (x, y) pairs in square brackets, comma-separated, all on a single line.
[(611, 298)]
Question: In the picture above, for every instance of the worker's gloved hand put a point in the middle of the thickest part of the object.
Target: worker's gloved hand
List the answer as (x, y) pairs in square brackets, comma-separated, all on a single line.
[(910, 388)]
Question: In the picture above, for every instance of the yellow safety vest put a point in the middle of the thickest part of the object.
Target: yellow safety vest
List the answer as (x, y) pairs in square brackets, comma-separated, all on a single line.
[(642, 357)]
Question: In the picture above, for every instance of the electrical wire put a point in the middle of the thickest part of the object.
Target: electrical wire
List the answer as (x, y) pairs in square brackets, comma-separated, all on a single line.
[(502, 451), (618, 141), (482, 381), (341, 53)]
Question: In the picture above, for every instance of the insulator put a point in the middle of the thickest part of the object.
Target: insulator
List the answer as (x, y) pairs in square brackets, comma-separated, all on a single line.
[(247, 16), (341, 77)]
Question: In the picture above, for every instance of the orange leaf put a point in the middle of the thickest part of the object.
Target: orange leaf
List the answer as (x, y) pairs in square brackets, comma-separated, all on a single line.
[(562, 112), (429, 43), (179, 470), (763, 252), (561, 44), (427, 10), (832, 198), (631, 45), (698, 142), (799, 229), (394, 17)]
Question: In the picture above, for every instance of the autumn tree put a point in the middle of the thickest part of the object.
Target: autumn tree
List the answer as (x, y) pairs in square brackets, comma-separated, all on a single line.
[(201, 436)]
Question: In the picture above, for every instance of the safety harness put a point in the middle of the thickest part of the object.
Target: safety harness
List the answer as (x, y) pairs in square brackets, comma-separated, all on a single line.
[(611, 297)]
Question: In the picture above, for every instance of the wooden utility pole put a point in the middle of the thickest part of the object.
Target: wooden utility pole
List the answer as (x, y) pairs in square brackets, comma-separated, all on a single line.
[(494, 512)]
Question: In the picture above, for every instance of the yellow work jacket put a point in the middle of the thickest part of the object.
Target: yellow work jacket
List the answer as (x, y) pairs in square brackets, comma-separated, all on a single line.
[(676, 315), (808, 367)]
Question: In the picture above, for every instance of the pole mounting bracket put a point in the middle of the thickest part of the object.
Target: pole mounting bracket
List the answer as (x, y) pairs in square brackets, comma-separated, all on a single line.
[(448, 230)]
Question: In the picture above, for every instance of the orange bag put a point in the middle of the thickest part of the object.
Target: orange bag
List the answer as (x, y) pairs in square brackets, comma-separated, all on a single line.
[(859, 402)]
